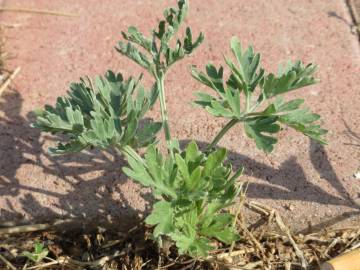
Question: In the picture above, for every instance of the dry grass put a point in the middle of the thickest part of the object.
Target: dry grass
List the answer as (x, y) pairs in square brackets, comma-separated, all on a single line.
[(267, 245), (6, 76)]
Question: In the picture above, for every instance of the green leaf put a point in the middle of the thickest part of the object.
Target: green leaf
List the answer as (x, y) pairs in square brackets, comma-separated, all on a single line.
[(39, 253), (147, 134), (246, 73), (212, 79), (256, 128), (189, 243), (214, 160), (246, 76), (294, 76), (134, 54), (183, 169), (162, 216), (189, 45), (303, 120), (72, 147), (103, 114), (194, 188), (192, 152), (135, 36), (138, 172), (219, 228)]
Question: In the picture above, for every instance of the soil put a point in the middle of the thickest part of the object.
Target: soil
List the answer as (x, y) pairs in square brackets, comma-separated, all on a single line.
[(309, 184)]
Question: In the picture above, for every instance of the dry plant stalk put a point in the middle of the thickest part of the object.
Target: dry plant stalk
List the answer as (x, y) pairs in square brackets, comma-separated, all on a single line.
[(38, 11), (9, 79)]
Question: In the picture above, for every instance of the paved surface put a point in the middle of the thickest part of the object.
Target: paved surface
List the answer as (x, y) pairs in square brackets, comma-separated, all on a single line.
[(355, 8), (308, 183)]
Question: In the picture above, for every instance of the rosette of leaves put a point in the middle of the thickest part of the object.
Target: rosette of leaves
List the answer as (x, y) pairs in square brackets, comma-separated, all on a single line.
[(104, 114), (240, 97), (193, 188)]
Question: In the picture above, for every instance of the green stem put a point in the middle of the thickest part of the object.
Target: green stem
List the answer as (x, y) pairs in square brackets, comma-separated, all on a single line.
[(164, 115), (222, 132)]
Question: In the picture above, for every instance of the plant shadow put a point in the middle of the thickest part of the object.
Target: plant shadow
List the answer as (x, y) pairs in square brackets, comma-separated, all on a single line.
[(276, 184), (85, 186), (90, 185)]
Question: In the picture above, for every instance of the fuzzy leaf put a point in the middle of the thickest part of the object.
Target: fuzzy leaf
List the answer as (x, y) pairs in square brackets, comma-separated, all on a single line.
[(256, 128), (103, 114), (134, 54), (219, 228), (294, 76), (161, 216)]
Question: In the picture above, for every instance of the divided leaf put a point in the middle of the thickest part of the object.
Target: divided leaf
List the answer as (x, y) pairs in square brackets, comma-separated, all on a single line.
[(256, 128), (195, 187), (103, 115), (294, 76), (245, 77), (134, 54), (246, 74), (158, 55), (162, 216)]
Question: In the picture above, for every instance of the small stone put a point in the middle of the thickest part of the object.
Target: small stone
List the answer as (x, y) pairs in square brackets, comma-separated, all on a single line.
[(357, 175)]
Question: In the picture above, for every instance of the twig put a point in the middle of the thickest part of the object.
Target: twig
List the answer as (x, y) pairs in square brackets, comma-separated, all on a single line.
[(31, 228), (249, 266), (67, 260), (38, 11), (9, 79), (25, 228), (10, 25), (8, 264), (61, 260), (286, 230), (332, 244), (257, 208), (232, 253), (238, 212), (271, 212), (112, 243), (176, 262), (253, 239)]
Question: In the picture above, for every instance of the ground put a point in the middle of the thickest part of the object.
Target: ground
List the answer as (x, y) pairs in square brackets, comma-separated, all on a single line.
[(308, 183)]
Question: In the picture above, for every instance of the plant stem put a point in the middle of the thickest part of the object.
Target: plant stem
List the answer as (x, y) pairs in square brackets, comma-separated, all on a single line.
[(222, 132), (164, 115)]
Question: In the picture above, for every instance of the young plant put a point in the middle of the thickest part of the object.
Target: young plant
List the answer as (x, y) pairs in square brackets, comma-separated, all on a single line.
[(192, 188), (39, 253)]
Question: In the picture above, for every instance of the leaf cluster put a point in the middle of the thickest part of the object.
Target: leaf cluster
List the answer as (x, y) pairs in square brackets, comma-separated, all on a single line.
[(39, 253), (193, 188), (240, 96), (104, 114), (155, 53)]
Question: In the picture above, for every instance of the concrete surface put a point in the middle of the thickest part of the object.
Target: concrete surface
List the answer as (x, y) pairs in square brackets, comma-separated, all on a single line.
[(355, 9), (308, 183)]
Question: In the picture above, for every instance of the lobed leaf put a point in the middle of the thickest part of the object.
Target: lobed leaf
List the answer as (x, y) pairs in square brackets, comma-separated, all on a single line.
[(102, 115), (258, 128), (293, 77), (162, 216), (195, 187), (245, 77)]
